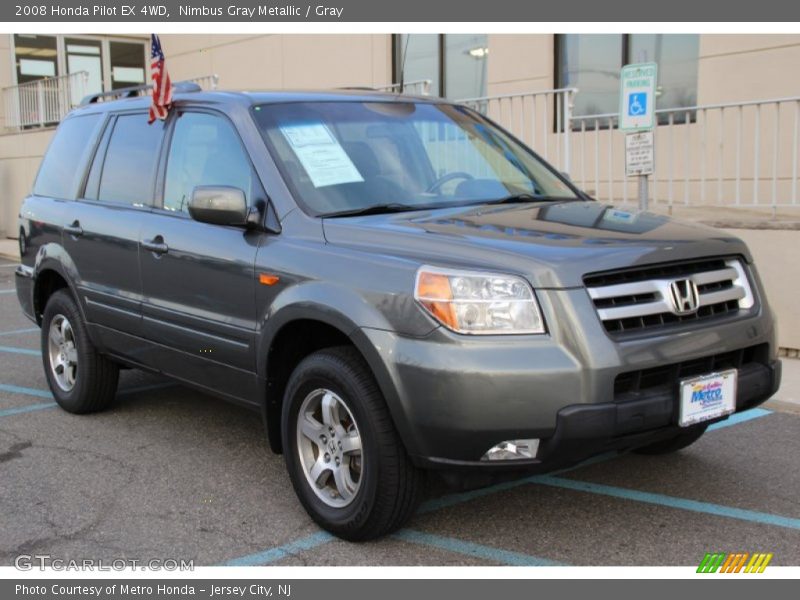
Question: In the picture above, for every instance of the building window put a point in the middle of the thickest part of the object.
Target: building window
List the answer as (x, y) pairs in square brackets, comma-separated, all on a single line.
[(455, 64), (86, 55), (592, 62), (465, 58), (676, 55), (127, 64), (36, 57), (110, 64)]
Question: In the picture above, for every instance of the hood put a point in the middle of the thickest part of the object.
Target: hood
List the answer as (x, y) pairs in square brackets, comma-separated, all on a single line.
[(554, 244)]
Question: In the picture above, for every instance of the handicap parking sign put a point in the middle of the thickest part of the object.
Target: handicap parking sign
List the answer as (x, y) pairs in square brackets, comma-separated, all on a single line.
[(637, 104), (637, 97)]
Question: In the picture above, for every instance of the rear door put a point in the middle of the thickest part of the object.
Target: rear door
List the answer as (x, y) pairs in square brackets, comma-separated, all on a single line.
[(198, 280), (101, 230)]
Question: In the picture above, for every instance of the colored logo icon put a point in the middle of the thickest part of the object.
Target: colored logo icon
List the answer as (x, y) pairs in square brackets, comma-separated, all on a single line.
[(737, 562), (637, 104)]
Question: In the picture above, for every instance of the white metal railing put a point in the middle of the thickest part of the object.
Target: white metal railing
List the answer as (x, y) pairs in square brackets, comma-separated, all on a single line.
[(43, 102), (419, 87), (207, 82), (541, 119), (733, 154), (46, 101)]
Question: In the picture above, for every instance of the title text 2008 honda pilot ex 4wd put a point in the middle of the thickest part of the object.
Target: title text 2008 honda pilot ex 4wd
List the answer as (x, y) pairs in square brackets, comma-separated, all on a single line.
[(396, 284)]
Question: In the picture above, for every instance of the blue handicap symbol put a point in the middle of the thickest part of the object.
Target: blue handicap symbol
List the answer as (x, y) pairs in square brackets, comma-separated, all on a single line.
[(637, 104)]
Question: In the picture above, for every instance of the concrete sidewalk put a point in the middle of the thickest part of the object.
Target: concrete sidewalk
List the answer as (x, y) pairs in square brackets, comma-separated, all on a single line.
[(9, 248), (788, 396)]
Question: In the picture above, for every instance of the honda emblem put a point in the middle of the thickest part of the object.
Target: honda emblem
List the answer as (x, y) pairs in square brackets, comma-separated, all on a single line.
[(685, 296)]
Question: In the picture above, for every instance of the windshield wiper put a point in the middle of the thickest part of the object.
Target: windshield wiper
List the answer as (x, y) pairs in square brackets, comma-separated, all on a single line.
[(526, 197), (375, 209)]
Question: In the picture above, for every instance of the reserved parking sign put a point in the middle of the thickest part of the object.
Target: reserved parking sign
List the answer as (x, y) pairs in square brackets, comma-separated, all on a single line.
[(637, 96)]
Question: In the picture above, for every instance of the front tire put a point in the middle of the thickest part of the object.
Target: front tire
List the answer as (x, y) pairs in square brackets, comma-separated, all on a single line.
[(673, 444), (346, 461), (81, 379)]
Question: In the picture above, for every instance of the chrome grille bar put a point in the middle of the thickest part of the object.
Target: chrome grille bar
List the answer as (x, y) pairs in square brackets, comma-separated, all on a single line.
[(718, 289)]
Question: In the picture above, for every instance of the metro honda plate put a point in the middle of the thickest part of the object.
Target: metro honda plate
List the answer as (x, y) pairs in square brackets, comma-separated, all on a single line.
[(707, 397)]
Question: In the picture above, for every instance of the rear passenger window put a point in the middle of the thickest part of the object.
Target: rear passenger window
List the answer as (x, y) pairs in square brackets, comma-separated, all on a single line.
[(130, 161), (63, 164), (205, 150)]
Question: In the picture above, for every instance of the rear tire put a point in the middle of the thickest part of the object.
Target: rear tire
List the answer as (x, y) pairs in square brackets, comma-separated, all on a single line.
[(679, 442), (81, 379), (346, 461)]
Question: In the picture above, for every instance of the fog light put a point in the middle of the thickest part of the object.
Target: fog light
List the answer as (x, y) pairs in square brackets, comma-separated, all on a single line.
[(513, 450)]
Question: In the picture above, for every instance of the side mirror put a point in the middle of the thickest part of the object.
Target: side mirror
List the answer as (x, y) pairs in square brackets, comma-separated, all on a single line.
[(566, 176), (219, 205)]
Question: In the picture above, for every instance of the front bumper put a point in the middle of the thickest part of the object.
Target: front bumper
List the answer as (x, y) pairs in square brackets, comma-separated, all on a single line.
[(584, 430), (453, 397)]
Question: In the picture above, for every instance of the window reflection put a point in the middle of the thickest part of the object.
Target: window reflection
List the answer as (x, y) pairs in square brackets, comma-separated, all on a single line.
[(455, 64), (592, 63), (36, 57), (465, 65), (417, 57)]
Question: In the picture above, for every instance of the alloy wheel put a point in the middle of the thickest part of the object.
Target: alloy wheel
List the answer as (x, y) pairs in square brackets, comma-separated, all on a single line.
[(62, 352), (329, 445)]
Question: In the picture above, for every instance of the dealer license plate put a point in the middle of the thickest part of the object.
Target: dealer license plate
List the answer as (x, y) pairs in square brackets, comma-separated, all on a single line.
[(707, 397)]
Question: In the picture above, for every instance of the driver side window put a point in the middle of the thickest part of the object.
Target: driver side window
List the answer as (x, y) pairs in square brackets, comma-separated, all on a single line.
[(205, 150)]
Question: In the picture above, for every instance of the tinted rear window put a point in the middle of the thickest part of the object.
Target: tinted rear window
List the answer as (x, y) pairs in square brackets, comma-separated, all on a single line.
[(130, 161), (63, 164)]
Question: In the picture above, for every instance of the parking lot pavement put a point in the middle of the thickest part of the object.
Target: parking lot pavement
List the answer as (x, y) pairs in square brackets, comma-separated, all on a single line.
[(168, 472)]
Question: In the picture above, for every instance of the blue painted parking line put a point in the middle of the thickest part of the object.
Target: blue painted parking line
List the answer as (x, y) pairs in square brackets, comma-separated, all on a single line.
[(14, 350), (19, 331), (458, 546), (455, 545), (7, 412), (279, 552), (9, 291), (718, 510), (17, 389), (736, 418)]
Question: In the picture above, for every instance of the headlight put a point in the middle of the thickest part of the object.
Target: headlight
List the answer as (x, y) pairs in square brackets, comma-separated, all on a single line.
[(478, 303)]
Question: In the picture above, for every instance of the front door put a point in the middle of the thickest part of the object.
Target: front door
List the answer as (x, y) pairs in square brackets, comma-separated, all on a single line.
[(198, 280)]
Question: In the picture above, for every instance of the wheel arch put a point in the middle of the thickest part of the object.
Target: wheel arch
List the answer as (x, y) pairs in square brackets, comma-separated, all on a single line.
[(316, 327), (49, 276)]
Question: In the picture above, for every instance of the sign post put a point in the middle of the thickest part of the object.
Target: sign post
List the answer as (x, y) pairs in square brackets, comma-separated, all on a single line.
[(637, 99)]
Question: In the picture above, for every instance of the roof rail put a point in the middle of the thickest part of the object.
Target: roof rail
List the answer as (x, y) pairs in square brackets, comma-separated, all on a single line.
[(138, 90)]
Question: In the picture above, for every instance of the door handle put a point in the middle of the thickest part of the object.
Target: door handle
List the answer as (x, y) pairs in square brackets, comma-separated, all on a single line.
[(156, 245), (75, 229)]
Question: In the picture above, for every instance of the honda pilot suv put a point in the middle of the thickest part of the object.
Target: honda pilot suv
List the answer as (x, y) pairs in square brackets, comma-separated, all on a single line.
[(397, 285)]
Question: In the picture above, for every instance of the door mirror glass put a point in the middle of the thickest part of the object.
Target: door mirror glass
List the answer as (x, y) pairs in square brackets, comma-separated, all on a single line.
[(218, 205)]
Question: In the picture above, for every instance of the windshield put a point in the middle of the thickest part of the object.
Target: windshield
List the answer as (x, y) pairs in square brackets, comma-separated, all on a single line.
[(346, 157)]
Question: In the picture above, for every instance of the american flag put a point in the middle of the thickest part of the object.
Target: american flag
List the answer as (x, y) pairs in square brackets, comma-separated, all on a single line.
[(162, 86)]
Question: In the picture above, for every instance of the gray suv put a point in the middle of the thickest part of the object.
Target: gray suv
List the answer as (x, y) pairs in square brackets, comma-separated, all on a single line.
[(397, 285)]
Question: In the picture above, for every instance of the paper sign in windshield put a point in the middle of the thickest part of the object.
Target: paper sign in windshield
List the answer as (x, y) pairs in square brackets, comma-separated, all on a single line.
[(321, 155)]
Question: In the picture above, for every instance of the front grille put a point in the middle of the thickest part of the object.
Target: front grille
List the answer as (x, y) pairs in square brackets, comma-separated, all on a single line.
[(638, 299), (667, 376)]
